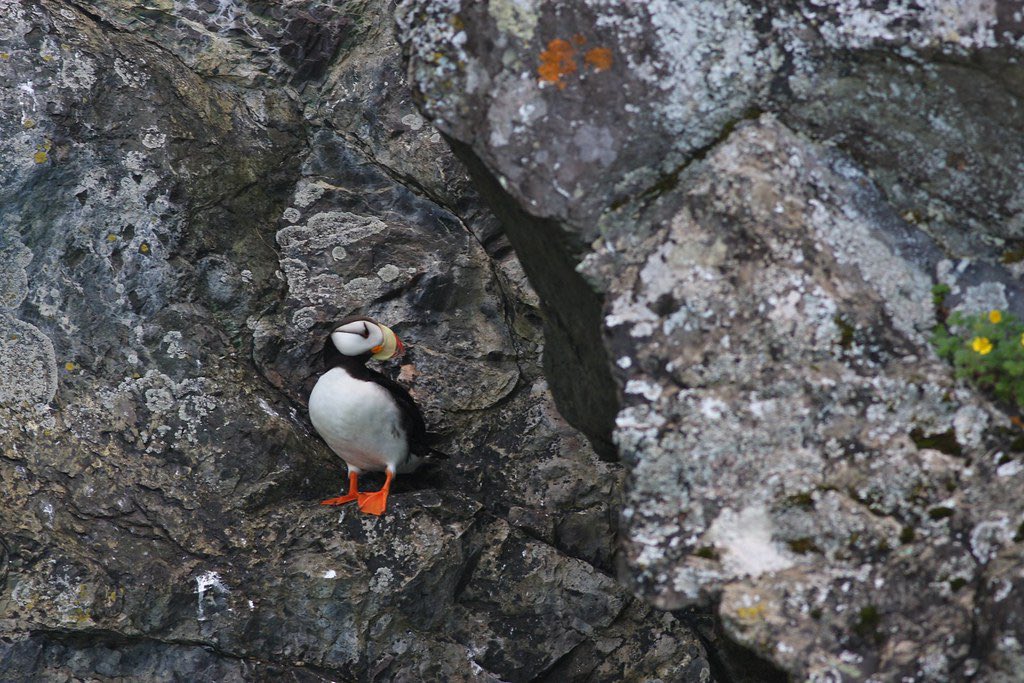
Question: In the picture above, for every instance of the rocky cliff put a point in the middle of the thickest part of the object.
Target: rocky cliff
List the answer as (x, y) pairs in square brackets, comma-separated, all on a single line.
[(762, 196), (705, 233), (191, 194)]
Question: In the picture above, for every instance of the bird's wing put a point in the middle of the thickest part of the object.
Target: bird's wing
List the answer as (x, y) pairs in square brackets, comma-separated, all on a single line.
[(412, 419)]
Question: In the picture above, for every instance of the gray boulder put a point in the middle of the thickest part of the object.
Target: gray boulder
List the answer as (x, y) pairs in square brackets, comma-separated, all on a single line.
[(752, 203)]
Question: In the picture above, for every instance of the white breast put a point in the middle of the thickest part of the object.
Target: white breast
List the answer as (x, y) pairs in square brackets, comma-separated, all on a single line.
[(359, 421)]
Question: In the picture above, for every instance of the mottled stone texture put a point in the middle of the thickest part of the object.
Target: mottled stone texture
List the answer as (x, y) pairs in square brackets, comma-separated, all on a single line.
[(761, 197), (191, 193)]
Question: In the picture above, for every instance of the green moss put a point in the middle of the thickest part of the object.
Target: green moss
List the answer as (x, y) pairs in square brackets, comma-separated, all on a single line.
[(939, 294), (907, 535), (804, 499), (868, 620), (945, 442), (1013, 255), (803, 545), (707, 552), (1019, 536), (957, 583), (816, 614), (846, 331), (940, 512)]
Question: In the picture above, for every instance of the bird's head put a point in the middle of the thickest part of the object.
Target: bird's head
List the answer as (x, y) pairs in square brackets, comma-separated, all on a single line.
[(365, 336)]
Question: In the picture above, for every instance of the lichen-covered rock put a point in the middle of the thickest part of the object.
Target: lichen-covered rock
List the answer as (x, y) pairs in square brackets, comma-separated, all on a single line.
[(191, 193), (759, 199), (28, 370), (787, 380)]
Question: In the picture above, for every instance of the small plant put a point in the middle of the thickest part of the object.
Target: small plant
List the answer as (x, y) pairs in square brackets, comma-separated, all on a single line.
[(986, 349)]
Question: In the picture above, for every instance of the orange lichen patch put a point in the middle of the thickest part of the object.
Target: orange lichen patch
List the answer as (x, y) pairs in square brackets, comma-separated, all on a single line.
[(599, 58), (5, 55), (70, 366), (144, 248), (40, 157), (111, 237), (557, 61)]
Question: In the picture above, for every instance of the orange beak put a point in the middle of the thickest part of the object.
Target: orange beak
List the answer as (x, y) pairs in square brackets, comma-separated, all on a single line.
[(390, 347)]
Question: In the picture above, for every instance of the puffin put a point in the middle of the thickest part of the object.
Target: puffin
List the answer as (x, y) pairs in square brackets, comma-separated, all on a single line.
[(369, 420)]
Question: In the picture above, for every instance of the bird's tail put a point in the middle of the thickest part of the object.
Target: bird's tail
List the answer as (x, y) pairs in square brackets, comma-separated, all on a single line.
[(427, 452), (433, 438), (434, 454)]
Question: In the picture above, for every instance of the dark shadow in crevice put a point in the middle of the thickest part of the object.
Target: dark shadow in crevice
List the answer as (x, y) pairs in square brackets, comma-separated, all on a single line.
[(730, 662), (576, 362)]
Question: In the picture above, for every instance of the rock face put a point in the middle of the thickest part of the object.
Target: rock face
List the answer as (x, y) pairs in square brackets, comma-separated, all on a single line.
[(760, 199), (191, 194)]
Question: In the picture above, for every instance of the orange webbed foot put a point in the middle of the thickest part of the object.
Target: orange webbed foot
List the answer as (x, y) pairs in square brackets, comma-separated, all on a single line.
[(353, 492), (375, 503), (341, 500)]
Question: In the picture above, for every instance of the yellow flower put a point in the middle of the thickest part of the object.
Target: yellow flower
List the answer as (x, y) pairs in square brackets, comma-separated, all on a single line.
[(1022, 339), (982, 345), (995, 316)]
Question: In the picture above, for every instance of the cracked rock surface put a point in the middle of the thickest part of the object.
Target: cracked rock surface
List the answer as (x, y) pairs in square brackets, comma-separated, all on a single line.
[(750, 203), (191, 194)]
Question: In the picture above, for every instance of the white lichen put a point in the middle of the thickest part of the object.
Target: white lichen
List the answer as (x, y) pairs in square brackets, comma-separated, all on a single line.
[(744, 539)]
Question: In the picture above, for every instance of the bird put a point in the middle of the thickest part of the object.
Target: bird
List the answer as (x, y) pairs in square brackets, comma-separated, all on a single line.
[(369, 420)]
